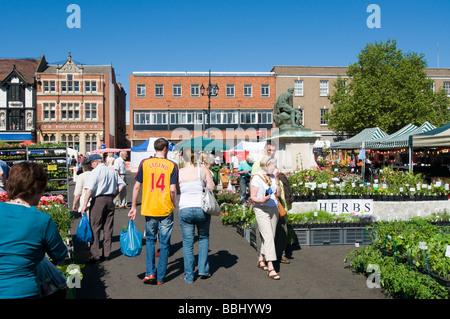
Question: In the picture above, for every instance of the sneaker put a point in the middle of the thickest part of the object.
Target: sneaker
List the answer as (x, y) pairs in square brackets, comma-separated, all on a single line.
[(160, 282), (149, 279)]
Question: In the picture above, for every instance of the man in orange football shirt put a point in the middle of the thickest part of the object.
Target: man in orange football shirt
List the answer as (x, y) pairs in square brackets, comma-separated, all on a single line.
[(158, 178)]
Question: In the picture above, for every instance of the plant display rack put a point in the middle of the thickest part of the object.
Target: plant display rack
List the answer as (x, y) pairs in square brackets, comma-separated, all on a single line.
[(52, 157)]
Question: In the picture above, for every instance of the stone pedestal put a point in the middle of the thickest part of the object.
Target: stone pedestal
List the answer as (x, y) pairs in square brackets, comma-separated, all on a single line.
[(294, 149)]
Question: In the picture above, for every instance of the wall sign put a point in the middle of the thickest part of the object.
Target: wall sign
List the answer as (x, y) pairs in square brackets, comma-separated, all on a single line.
[(346, 206)]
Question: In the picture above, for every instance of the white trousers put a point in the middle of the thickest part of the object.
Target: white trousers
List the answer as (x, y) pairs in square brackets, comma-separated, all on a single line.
[(267, 219)]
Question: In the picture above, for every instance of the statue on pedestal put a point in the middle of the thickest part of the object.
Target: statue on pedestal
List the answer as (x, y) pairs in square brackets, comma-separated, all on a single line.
[(285, 116)]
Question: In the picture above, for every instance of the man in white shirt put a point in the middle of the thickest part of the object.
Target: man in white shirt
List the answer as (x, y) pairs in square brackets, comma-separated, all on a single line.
[(102, 185), (235, 161), (119, 166)]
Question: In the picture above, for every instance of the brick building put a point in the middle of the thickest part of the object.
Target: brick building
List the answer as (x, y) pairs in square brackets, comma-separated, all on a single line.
[(80, 105), (170, 104)]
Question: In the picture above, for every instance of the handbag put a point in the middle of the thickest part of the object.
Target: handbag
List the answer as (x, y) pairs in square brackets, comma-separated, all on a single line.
[(281, 211), (84, 233), (131, 240), (209, 202)]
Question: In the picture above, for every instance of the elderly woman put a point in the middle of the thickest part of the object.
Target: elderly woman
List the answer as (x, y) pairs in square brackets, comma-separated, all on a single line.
[(263, 187), (26, 233)]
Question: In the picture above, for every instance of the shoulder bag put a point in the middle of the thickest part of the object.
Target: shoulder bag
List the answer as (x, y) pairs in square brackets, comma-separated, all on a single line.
[(209, 202), (281, 211)]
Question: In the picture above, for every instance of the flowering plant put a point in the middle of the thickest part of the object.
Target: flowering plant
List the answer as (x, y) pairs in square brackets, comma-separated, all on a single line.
[(51, 200)]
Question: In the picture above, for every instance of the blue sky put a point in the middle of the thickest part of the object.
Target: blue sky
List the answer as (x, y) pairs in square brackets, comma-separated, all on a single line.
[(225, 35)]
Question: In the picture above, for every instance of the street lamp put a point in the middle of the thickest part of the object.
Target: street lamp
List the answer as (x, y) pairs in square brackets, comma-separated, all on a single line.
[(211, 90)]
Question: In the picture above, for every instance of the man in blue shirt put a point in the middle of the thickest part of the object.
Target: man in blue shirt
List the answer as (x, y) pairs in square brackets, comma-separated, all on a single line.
[(103, 184), (245, 170)]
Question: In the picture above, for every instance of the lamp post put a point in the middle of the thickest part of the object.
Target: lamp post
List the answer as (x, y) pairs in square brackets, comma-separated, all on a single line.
[(211, 90)]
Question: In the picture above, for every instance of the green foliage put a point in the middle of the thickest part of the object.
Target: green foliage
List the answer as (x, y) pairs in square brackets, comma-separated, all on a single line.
[(388, 89), (398, 249), (60, 215), (320, 216), (227, 197)]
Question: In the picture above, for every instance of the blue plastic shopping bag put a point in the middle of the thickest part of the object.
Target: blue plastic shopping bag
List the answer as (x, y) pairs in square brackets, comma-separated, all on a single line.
[(84, 233), (131, 240)]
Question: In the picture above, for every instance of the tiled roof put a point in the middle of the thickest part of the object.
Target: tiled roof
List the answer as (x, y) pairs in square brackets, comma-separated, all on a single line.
[(26, 67)]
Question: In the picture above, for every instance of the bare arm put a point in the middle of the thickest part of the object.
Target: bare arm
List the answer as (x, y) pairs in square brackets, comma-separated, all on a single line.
[(173, 192), (136, 189), (86, 200), (209, 180)]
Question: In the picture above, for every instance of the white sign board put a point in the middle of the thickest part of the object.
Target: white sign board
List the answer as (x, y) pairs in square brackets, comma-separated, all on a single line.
[(346, 206)]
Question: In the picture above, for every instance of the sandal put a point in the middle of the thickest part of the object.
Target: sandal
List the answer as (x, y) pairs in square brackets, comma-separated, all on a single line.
[(261, 264), (274, 276)]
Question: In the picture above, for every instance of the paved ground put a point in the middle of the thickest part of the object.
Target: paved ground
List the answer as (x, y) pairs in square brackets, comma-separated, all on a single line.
[(314, 272)]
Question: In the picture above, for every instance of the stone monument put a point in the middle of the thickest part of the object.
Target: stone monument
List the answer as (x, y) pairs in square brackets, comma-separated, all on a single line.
[(294, 142)]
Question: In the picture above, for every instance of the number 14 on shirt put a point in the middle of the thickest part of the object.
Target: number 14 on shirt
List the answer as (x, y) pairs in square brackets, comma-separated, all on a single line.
[(160, 182)]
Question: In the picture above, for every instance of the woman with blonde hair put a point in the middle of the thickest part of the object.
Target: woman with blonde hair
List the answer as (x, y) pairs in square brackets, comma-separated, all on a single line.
[(263, 187), (193, 177)]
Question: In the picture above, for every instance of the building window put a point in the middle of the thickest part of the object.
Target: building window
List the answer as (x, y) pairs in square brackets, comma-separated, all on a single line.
[(265, 90), (90, 111), (16, 93), (70, 86), (195, 90), (70, 111), (49, 112), (177, 90), (71, 140), (90, 142), (230, 90), (90, 86), (159, 90), (140, 90), (323, 116), (49, 138), (48, 86), (224, 117), (324, 88), (301, 116), (298, 87), (16, 119), (256, 117), (247, 90), (447, 88), (198, 119), (150, 117)]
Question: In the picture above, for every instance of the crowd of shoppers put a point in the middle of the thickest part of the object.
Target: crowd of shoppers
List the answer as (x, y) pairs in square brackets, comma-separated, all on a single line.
[(27, 234)]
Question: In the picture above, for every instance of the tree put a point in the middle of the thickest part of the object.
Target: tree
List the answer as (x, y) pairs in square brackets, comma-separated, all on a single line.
[(387, 89)]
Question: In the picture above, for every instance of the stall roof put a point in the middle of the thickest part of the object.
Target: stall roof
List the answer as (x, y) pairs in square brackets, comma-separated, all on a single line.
[(439, 137), (356, 141), (400, 138)]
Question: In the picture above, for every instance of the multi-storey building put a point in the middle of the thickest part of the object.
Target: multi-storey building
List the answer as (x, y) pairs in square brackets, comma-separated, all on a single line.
[(171, 105), (312, 85), (18, 99), (80, 105)]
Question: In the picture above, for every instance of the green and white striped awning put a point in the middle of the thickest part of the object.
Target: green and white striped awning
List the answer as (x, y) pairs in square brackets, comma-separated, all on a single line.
[(356, 141), (400, 138)]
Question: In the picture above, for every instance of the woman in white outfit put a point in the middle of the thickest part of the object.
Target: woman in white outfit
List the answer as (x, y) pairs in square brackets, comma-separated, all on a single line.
[(263, 187)]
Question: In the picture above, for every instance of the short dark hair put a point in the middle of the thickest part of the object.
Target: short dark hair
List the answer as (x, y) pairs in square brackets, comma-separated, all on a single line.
[(85, 165), (26, 179), (160, 144)]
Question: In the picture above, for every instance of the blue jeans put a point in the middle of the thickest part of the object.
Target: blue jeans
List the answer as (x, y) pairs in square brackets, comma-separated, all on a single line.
[(152, 225), (189, 218)]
